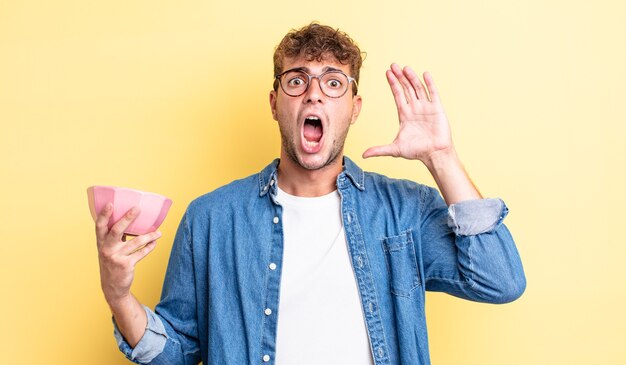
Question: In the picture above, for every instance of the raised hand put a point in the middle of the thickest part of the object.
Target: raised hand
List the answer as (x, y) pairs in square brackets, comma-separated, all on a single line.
[(424, 129)]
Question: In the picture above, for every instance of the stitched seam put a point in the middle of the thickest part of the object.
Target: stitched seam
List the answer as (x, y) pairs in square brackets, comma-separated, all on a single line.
[(471, 280)]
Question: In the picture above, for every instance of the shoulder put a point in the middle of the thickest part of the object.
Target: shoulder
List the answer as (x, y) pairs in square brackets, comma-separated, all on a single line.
[(234, 192), (400, 194), (375, 182), (379, 182)]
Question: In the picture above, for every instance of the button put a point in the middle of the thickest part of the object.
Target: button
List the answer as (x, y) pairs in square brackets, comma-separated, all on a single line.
[(359, 262), (268, 311), (272, 182), (265, 188), (275, 220), (381, 352), (272, 266), (349, 217), (371, 307), (266, 358)]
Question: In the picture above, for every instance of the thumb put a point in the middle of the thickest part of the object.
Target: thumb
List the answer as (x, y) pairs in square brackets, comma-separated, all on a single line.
[(386, 150)]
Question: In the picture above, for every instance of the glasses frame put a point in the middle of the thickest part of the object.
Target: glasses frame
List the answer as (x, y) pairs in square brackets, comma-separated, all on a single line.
[(319, 80)]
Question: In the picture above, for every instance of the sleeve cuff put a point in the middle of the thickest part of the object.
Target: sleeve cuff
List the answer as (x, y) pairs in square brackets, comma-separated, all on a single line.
[(151, 344), (472, 217)]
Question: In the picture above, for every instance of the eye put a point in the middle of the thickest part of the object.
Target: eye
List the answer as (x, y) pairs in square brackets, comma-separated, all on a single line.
[(296, 81), (334, 80), (334, 83)]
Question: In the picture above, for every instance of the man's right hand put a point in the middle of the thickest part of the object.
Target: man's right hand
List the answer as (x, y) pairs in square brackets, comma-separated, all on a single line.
[(118, 257)]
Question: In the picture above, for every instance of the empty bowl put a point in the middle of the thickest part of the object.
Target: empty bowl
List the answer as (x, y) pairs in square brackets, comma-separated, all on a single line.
[(154, 207)]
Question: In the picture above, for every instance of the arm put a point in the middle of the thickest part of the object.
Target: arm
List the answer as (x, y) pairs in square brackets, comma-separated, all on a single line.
[(169, 335), (466, 249), (117, 260)]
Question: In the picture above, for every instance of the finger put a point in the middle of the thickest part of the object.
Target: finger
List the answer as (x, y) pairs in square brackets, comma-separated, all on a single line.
[(416, 83), (432, 89), (142, 252), (120, 226), (386, 150), (140, 241), (409, 90), (102, 222), (398, 93)]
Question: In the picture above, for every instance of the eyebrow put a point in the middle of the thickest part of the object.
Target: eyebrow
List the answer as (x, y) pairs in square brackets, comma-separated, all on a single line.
[(307, 70)]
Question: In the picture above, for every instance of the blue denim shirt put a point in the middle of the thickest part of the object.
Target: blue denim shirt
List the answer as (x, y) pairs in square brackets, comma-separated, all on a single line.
[(225, 268)]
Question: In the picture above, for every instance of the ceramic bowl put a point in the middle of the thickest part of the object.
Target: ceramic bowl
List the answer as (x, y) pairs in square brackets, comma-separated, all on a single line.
[(154, 207)]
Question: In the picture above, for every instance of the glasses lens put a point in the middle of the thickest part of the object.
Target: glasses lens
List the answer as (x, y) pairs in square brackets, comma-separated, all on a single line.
[(334, 84), (294, 83)]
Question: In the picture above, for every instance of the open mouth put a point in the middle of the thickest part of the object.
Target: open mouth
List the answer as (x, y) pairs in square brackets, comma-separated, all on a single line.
[(312, 132)]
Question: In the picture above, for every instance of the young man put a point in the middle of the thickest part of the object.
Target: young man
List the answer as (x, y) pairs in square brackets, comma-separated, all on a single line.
[(313, 260)]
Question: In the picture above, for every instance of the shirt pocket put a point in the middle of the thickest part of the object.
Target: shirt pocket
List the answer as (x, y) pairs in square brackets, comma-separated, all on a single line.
[(401, 263)]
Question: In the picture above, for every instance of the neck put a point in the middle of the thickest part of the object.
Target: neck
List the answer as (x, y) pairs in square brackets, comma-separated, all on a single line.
[(296, 180)]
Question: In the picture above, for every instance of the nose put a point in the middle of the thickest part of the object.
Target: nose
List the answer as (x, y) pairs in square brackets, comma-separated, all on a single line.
[(314, 93)]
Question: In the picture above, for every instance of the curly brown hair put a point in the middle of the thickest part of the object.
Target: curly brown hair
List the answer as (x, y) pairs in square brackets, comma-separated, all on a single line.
[(315, 42)]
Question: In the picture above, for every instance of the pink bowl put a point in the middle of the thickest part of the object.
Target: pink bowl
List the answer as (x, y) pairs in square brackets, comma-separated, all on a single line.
[(154, 207)]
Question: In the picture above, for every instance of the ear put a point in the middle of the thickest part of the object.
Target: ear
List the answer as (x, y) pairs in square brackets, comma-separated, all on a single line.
[(356, 108), (273, 97)]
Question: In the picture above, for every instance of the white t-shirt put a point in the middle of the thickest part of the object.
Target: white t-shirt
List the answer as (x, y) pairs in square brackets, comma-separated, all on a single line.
[(320, 320)]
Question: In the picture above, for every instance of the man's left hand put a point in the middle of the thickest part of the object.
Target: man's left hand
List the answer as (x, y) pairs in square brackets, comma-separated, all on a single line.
[(424, 129)]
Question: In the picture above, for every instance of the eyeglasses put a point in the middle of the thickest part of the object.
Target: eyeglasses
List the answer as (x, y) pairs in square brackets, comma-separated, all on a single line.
[(333, 83)]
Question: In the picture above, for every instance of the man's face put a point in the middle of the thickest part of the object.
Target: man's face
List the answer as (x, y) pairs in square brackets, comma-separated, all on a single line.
[(313, 126)]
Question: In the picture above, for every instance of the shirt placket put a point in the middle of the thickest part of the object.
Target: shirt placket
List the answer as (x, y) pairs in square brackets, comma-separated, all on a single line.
[(363, 273), (274, 266)]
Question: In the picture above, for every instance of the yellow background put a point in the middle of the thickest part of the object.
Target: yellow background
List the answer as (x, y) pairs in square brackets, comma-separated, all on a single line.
[(172, 97)]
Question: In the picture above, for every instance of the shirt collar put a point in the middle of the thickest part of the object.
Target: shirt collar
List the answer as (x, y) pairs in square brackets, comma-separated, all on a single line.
[(267, 176)]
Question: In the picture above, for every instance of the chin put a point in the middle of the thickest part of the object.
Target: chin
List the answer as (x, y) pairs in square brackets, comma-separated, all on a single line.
[(316, 162), (310, 161)]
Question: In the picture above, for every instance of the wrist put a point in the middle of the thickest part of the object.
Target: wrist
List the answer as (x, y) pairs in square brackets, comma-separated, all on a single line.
[(442, 160), (117, 303), (451, 178)]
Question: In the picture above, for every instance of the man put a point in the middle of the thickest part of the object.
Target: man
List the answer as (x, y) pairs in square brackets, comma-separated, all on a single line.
[(313, 260)]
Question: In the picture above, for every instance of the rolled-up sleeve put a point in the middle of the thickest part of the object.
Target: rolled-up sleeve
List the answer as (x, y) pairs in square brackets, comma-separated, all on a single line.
[(150, 345), (472, 217), (468, 251)]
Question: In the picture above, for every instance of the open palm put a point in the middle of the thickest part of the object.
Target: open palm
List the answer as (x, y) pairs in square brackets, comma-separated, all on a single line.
[(424, 128)]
